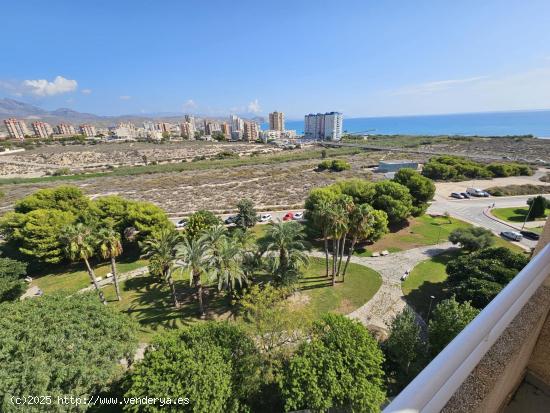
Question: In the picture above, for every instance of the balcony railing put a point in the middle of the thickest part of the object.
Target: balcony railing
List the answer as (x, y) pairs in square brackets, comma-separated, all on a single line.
[(435, 385)]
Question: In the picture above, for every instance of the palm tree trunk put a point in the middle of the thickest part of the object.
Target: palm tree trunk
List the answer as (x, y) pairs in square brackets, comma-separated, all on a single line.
[(326, 255), (341, 253), (170, 281), (198, 284), (115, 278), (350, 253), (94, 280), (335, 248)]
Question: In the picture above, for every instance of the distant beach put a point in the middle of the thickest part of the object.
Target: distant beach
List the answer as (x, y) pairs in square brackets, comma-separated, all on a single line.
[(483, 124)]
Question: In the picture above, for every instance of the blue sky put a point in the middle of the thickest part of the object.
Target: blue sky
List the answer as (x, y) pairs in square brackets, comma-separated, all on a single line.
[(364, 58)]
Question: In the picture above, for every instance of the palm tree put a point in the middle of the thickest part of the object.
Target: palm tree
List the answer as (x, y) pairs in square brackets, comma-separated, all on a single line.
[(79, 244), (346, 202), (250, 253), (321, 217), (213, 236), (110, 246), (227, 267), (160, 250), (338, 226), (360, 228), (285, 242), (193, 254)]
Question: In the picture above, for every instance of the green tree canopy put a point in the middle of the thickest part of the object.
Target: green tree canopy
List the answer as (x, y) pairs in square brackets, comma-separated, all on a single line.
[(422, 189), (472, 238), (214, 365), (246, 217), (59, 345), (340, 367), (394, 199), (448, 319), (537, 207), (405, 351), (64, 198), (12, 285), (200, 221), (479, 277), (38, 238)]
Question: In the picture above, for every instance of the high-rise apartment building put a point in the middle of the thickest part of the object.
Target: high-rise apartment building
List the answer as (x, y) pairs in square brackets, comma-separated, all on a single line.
[(277, 121), (237, 124), (187, 130), (324, 126), (190, 119), (87, 130), (211, 127), (226, 130), (251, 131), (16, 128), (42, 129), (66, 129), (163, 127)]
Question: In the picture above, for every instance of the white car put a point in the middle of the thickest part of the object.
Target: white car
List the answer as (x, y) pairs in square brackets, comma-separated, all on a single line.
[(514, 236), (297, 216), (264, 218)]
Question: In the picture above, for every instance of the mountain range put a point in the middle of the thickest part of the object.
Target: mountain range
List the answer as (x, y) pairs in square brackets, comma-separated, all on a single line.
[(11, 108)]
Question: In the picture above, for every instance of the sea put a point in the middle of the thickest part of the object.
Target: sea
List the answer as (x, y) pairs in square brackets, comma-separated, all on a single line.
[(535, 123)]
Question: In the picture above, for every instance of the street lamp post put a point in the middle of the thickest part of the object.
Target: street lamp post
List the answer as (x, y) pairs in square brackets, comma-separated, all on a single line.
[(430, 308)]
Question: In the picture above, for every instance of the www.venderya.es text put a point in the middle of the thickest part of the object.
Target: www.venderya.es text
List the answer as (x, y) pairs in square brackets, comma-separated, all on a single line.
[(97, 400)]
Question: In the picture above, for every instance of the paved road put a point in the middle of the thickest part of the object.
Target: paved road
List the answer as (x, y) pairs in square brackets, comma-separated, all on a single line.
[(471, 210)]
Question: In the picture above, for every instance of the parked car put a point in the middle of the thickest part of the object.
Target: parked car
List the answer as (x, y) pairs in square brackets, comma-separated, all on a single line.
[(298, 216), (264, 218), (231, 220), (457, 195), (530, 235), (477, 192), (512, 235), (465, 195), (289, 216), (181, 223)]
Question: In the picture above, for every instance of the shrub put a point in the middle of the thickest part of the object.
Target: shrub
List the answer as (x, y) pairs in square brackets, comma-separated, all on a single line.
[(336, 165)]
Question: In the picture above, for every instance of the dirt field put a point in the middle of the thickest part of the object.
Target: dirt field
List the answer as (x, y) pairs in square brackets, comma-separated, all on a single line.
[(501, 148), (283, 184), (37, 162)]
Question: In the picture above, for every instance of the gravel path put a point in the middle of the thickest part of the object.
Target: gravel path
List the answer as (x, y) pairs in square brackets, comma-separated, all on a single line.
[(389, 301)]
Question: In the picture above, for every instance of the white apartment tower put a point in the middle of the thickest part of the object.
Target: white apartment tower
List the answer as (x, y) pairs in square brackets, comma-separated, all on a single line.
[(42, 129), (237, 124), (87, 130), (324, 126), (277, 121), (16, 128)]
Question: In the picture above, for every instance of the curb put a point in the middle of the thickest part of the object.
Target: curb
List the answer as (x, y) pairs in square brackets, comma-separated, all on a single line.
[(491, 216)]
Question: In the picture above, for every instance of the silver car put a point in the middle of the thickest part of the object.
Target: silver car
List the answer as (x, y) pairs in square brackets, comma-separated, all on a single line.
[(514, 236)]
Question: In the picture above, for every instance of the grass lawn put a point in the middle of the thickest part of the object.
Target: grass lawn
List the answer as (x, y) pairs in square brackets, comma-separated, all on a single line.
[(76, 277), (420, 231), (149, 302), (427, 279), (514, 214), (359, 287)]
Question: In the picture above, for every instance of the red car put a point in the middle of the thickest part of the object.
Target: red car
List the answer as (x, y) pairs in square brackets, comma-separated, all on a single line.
[(289, 216)]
